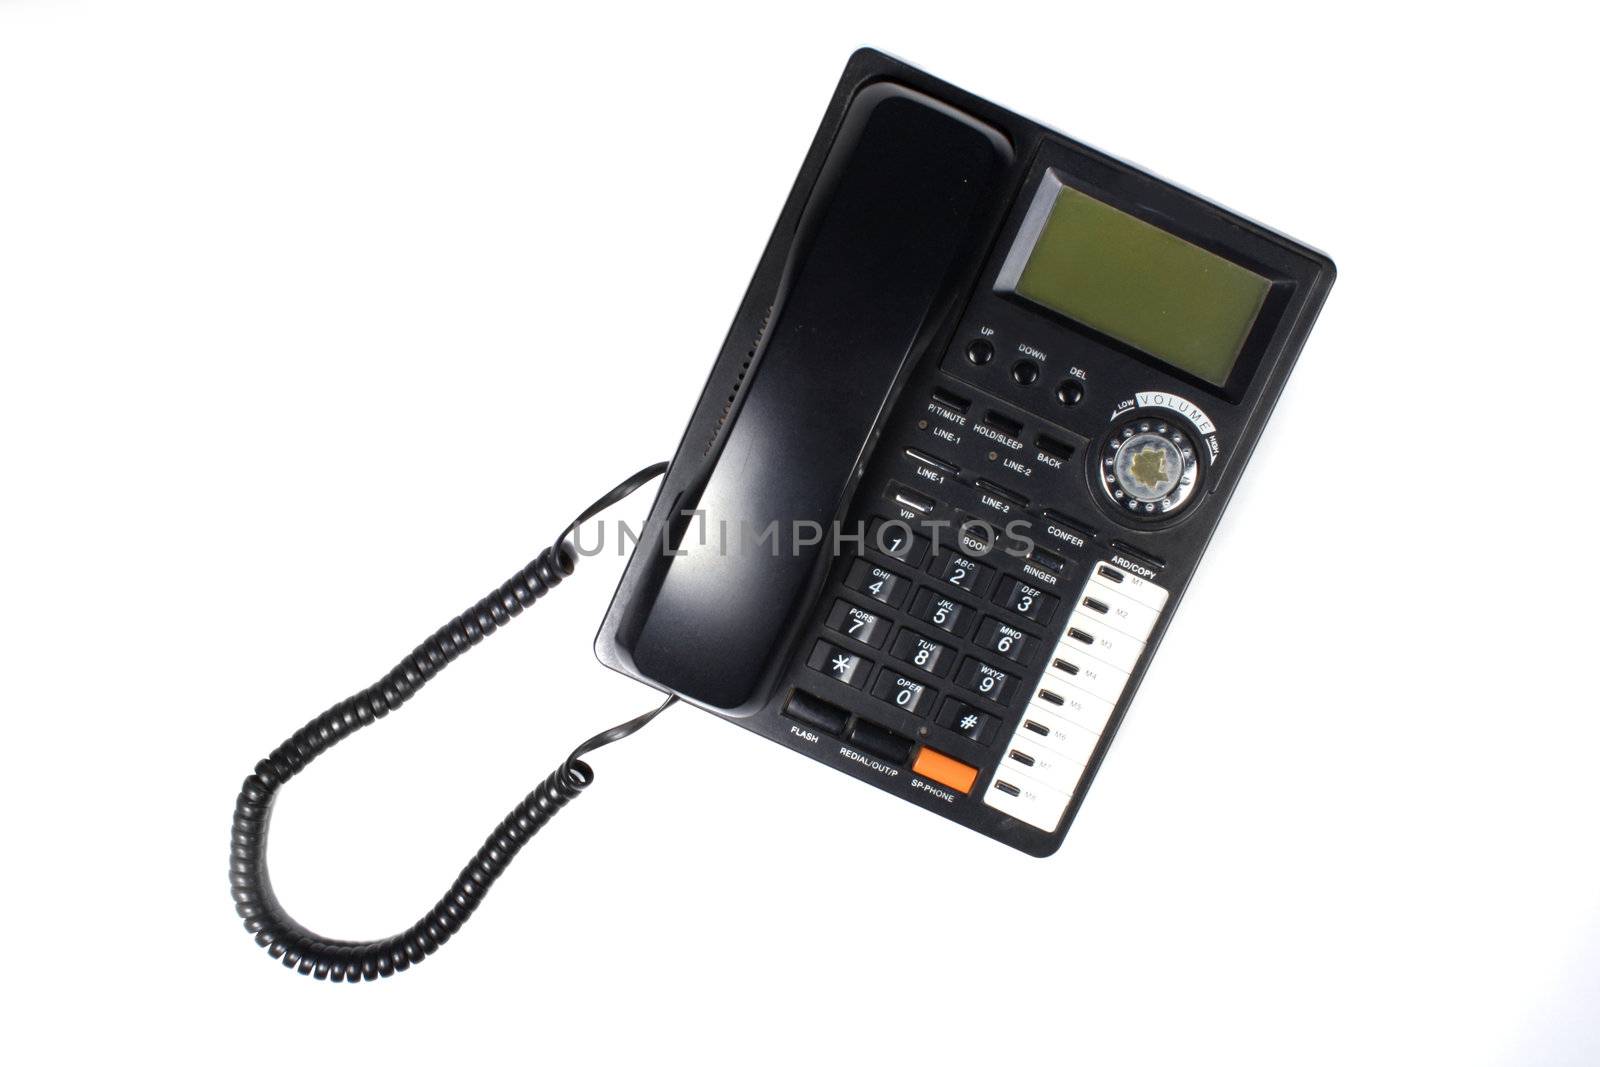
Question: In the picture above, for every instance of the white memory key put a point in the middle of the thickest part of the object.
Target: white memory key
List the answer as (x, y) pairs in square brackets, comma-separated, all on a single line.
[(1090, 634), (1120, 612)]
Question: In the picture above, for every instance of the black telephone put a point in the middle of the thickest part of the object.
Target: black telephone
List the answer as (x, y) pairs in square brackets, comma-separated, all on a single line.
[(977, 416)]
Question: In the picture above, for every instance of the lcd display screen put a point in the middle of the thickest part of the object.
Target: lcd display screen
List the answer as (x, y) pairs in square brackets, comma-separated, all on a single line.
[(1141, 285)]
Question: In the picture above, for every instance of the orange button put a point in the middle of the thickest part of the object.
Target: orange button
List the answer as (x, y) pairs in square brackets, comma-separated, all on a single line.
[(937, 767)]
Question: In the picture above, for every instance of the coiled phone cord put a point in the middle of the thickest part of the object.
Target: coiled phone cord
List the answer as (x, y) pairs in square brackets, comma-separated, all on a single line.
[(354, 961)]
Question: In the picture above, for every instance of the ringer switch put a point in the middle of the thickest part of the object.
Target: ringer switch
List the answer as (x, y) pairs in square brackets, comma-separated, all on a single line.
[(885, 744), (817, 714)]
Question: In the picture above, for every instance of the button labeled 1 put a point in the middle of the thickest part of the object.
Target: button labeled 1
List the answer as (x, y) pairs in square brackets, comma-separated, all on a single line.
[(895, 539)]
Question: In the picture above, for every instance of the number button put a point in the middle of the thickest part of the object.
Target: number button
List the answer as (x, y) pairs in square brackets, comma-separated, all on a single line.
[(922, 653), (1025, 600), (988, 682), (941, 611), (1009, 641), (838, 664), (884, 586), (904, 693), (894, 539), (858, 624), (963, 572)]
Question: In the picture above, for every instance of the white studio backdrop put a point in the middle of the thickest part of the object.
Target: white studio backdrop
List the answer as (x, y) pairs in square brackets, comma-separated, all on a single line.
[(318, 319)]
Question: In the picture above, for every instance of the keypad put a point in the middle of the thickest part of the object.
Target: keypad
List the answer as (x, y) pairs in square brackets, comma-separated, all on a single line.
[(905, 693), (879, 583), (922, 653), (858, 624), (948, 615), (951, 617)]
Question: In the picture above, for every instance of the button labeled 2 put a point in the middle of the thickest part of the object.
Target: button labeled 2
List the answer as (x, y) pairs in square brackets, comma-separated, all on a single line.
[(963, 572)]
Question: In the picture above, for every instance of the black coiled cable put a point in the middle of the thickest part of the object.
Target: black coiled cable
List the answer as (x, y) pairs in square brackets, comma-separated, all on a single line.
[(354, 961)]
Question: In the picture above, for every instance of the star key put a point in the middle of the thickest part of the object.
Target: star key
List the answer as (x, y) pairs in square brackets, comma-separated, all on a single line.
[(840, 664)]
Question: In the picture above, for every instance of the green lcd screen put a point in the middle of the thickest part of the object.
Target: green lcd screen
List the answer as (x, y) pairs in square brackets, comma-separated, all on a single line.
[(1143, 286)]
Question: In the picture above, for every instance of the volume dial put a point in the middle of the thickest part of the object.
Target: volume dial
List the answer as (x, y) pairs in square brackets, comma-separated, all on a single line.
[(1149, 468)]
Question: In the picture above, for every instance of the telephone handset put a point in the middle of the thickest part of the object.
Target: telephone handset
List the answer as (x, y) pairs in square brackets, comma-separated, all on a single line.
[(1012, 382), (872, 268), (977, 416)]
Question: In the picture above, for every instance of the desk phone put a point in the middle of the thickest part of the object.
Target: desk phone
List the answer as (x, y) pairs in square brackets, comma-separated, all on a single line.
[(1025, 378), (977, 415)]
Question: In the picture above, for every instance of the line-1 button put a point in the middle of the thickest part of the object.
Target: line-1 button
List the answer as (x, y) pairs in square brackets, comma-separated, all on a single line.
[(921, 458)]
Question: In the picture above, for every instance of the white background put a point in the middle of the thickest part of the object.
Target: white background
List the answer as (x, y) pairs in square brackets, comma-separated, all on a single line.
[(318, 318)]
